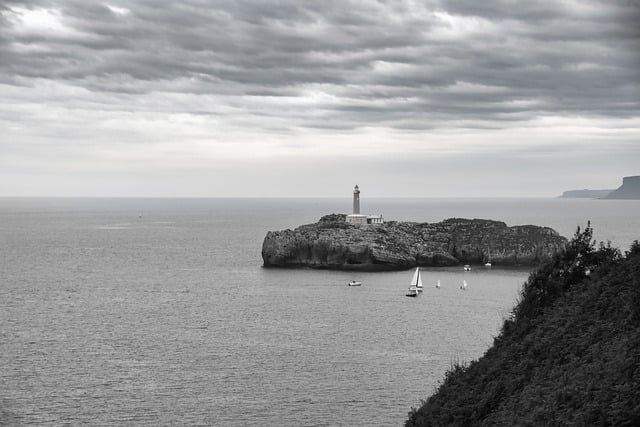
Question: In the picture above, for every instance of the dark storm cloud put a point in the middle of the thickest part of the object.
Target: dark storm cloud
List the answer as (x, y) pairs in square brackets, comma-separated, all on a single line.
[(398, 64)]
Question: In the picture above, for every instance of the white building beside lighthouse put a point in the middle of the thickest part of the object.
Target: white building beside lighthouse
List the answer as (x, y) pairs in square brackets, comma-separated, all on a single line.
[(356, 217)]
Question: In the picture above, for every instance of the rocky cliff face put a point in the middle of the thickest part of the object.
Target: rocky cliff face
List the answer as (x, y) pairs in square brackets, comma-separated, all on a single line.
[(332, 243), (585, 194), (630, 189)]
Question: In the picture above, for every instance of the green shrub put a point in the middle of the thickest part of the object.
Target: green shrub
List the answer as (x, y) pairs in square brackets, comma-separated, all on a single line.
[(568, 355)]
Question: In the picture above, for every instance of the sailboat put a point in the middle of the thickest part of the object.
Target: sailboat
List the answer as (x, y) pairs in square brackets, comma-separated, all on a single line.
[(417, 279), (416, 284), (464, 285), (438, 285)]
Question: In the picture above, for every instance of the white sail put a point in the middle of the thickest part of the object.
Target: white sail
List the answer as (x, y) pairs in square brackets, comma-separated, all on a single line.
[(417, 279), (415, 287), (464, 285), (438, 284)]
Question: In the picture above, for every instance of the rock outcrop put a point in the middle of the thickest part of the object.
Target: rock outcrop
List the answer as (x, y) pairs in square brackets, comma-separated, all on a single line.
[(332, 243), (630, 189)]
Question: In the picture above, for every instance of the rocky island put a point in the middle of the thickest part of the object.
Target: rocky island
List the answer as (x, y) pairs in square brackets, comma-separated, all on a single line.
[(333, 243)]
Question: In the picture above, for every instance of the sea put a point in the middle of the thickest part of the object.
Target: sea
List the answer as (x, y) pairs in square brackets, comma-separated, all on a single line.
[(158, 311)]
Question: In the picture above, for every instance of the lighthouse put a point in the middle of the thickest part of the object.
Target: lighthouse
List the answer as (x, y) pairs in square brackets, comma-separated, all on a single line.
[(356, 218), (356, 200)]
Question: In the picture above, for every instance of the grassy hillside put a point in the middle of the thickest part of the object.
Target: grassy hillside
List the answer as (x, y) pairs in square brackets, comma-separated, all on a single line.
[(569, 354)]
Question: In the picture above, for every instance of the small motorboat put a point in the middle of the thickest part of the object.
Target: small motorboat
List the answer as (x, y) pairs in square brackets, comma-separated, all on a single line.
[(354, 283), (467, 267)]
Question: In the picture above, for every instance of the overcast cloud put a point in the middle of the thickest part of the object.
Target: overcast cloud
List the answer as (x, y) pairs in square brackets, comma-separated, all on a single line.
[(290, 98)]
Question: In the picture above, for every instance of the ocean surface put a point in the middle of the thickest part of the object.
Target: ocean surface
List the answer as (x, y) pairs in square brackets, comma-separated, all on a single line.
[(158, 311)]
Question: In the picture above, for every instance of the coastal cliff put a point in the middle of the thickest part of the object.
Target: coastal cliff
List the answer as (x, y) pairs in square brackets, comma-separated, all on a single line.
[(630, 189), (567, 355), (332, 243), (585, 194)]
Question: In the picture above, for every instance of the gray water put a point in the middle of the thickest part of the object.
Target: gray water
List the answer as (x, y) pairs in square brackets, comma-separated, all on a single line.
[(157, 311)]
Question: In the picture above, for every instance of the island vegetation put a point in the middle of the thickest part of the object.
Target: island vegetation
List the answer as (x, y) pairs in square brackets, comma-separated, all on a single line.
[(569, 354)]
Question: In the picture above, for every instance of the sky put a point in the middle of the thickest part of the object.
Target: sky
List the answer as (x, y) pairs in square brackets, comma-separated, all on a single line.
[(293, 98)]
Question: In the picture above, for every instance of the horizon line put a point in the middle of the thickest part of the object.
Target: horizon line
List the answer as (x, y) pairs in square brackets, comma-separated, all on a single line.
[(287, 197)]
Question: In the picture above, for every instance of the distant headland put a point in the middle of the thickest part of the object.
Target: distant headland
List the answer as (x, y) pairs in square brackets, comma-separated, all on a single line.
[(630, 189), (585, 194), (367, 243)]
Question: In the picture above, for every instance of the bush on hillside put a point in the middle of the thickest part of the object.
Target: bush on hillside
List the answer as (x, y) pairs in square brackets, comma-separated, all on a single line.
[(568, 355)]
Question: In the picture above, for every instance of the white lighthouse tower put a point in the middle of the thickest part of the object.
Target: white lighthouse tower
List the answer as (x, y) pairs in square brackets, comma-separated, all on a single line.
[(356, 200), (356, 217)]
